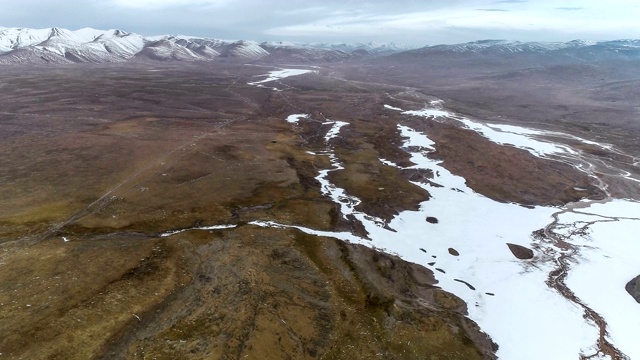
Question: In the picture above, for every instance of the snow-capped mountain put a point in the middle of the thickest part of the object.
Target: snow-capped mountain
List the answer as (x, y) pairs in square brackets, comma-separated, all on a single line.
[(225, 48), (55, 45), (374, 48), (22, 45), (577, 48), (19, 45), (502, 46), (301, 52)]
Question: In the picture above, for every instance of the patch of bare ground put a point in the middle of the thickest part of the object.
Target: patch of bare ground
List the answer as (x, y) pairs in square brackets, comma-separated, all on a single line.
[(283, 294), (227, 294), (62, 300)]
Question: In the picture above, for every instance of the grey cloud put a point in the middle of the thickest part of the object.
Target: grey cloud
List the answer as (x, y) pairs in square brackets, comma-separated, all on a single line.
[(404, 21), (498, 10)]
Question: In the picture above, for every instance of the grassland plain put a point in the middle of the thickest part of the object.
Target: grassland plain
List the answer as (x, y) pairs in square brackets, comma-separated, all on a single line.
[(99, 161)]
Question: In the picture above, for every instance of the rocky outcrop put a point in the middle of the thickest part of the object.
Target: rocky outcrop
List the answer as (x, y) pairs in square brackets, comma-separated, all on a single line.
[(520, 252), (633, 288)]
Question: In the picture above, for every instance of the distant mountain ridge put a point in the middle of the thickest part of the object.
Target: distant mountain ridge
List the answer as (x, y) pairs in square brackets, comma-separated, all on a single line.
[(56, 45), (577, 49), (62, 46)]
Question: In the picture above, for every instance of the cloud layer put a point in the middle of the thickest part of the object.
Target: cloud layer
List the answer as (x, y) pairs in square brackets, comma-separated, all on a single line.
[(404, 21)]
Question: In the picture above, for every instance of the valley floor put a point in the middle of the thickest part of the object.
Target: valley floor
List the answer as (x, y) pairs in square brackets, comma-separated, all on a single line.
[(232, 211)]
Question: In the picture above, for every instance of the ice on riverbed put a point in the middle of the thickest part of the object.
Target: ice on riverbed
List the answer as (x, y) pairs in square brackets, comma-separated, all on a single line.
[(213, 227), (392, 108), (416, 139), (523, 138), (281, 74), (516, 136), (435, 113), (345, 236), (335, 129), (608, 258)]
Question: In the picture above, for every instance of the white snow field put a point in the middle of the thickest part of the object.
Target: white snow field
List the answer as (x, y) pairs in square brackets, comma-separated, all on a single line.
[(510, 303), (507, 297), (606, 260), (279, 75), (293, 119)]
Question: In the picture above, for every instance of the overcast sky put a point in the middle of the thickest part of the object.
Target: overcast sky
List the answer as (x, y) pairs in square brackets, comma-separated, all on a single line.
[(403, 21)]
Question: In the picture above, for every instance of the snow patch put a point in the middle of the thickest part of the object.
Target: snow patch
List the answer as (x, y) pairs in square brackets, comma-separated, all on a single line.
[(214, 227), (434, 113), (293, 119), (392, 108), (281, 74)]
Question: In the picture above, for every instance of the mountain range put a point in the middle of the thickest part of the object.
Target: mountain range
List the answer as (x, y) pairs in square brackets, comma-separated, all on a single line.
[(55, 45), (62, 46)]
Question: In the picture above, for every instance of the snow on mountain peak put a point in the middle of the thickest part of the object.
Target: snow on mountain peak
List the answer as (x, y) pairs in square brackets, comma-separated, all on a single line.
[(62, 45), (572, 49), (57, 45)]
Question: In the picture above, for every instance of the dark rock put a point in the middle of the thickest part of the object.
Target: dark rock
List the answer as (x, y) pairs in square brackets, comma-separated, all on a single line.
[(420, 175), (432, 220), (466, 283), (454, 252), (520, 252), (357, 227), (633, 288)]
